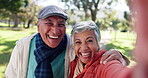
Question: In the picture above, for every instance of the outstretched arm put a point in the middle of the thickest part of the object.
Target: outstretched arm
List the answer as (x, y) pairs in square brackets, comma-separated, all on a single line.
[(114, 54), (114, 69)]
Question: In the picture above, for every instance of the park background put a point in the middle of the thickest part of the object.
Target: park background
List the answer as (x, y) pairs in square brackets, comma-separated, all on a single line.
[(114, 18)]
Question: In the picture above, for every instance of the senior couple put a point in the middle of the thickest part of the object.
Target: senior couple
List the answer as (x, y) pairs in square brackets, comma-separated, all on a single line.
[(51, 53)]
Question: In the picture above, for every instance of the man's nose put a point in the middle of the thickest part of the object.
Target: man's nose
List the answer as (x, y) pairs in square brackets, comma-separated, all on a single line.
[(55, 29)]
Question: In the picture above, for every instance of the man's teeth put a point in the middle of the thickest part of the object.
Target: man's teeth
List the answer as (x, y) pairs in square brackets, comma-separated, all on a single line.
[(53, 36), (85, 54)]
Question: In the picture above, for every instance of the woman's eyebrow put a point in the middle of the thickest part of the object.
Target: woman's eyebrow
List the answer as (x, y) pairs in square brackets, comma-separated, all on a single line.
[(76, 39), (89, 37)]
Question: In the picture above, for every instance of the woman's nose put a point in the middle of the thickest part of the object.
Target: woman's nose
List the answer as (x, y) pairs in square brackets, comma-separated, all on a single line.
[(84, 47)]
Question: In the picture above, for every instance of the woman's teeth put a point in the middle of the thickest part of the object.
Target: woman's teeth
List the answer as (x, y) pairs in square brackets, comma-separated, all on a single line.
[(85, 54)]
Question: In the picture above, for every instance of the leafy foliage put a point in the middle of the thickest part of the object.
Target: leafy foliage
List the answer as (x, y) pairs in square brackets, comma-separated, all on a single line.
[(89, 6), (13, 6)]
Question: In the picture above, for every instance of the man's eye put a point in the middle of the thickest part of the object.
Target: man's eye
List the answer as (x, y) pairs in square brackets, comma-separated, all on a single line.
[(61, 25)]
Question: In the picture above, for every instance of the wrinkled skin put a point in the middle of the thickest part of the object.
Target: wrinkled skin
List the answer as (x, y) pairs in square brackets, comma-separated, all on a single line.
[(52, 30)]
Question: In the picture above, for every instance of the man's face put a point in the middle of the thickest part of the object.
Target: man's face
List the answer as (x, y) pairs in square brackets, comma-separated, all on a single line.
[(52, 30)]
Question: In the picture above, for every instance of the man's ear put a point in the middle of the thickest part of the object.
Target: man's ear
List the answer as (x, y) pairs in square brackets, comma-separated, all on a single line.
[(38, 24)]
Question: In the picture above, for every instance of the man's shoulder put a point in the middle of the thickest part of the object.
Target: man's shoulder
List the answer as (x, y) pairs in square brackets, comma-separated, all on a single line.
[(26, 39)]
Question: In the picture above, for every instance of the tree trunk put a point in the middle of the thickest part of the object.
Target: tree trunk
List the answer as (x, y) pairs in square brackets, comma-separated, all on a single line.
[(31, 19), (15, 20), (9, 22), (94, 17), (24, 24), (93, 14), (86, 15), (29, 22)]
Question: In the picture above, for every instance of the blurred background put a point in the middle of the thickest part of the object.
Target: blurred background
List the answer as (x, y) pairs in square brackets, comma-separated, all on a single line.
[(114, 18)]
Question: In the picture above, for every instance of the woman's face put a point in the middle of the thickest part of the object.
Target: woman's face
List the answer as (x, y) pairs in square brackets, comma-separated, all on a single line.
[(85, 45)]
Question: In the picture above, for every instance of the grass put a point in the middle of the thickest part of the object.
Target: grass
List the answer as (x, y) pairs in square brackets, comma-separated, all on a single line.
[(8, 38), (11, 25), (4, 24), (125, 42)]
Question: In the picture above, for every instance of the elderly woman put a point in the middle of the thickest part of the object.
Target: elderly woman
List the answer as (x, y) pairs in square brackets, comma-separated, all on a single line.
[(86, 43)]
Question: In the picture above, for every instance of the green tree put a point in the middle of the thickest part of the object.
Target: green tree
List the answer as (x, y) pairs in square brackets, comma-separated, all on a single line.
[(29, 13), (87, 6), (14, 7), (6, 15), (91, 5)]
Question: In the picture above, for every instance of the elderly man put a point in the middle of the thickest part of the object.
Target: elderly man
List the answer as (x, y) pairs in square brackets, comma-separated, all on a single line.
[(45, 54)]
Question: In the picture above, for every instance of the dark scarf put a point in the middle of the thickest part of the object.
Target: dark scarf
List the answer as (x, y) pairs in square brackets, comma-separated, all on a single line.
[(44, 55)]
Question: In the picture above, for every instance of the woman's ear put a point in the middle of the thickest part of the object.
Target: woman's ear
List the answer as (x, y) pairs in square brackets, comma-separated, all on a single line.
[(98, 47)]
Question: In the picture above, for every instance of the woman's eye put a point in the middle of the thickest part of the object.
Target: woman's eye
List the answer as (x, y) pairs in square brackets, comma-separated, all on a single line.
[(77, 42), (90, 41)]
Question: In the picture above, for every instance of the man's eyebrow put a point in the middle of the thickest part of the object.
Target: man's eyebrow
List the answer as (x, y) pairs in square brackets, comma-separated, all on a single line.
[(63, 21), (48, 20)]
